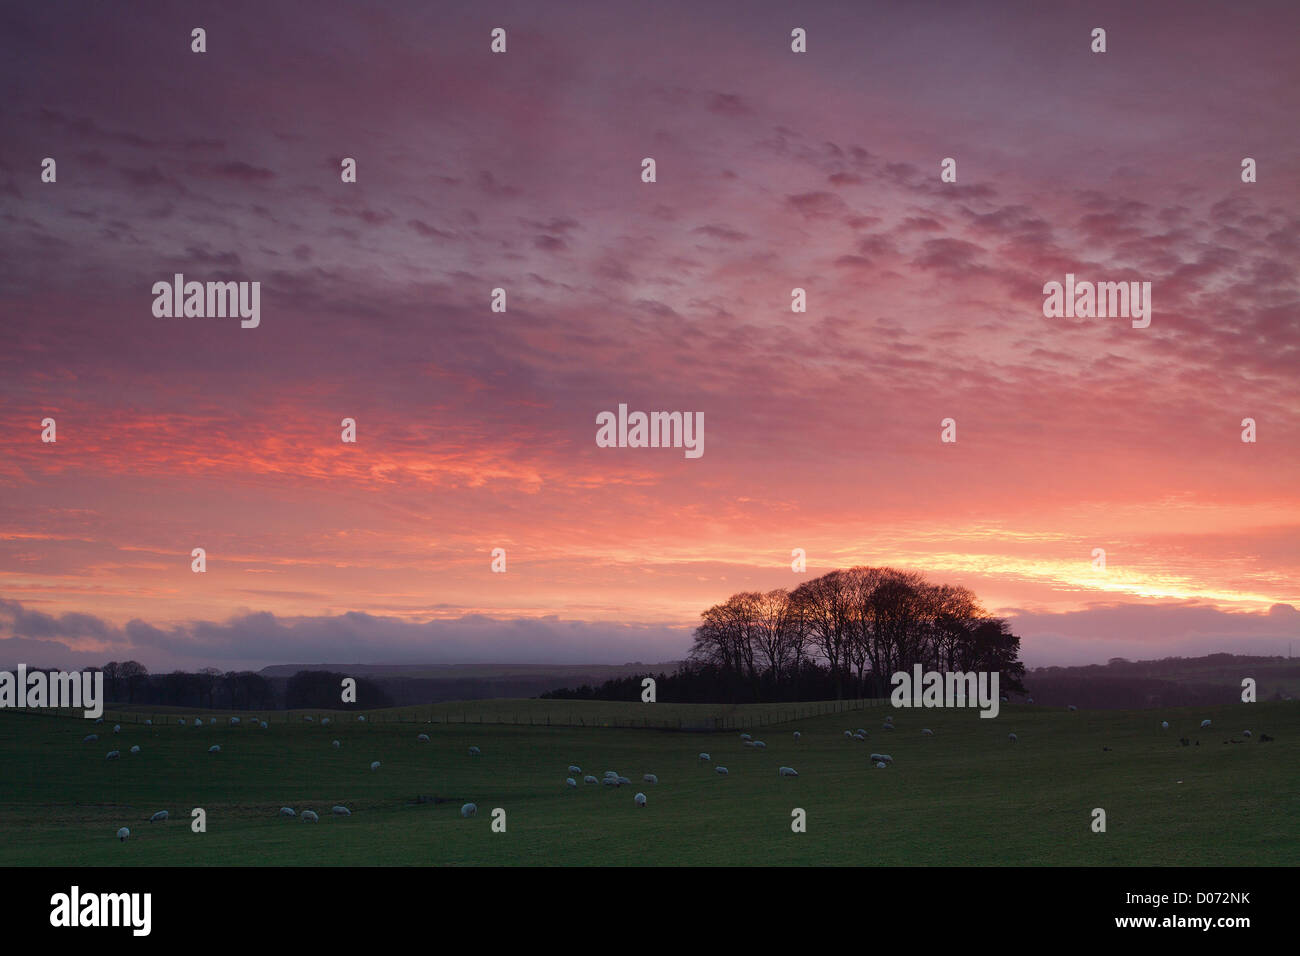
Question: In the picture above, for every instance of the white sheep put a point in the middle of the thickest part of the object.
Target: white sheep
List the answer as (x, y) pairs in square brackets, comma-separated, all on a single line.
[(89, 738), (123, 833), (158, 817), (475, 752), (374, 765), (361, 717), (1164, 725), (861, 731), (849, 734), (1012, 737), (117, 728), (880, 765), (622, 780), (749, 743), (610, 781), (135, 748), (704, 758), (198, 721), (336, 743), (859, 737), (590, 779), (287, 812), (574, 768), (570, 782), (1205, 723), (639, 799), (215, 749), (611, 773), (309, 816), (721, 770), (650, 778), (759, 745), (1029, 701), (341, 811), (468, 810), (746, 737), (881, 758), (1071, 707), (797, 735), (263, 725), (1245, 733), (113, 755), (787, 772), (99, 720), (422, 738), (309, 718), (148, 723), (927, 732), (234, 721), (212, 721)]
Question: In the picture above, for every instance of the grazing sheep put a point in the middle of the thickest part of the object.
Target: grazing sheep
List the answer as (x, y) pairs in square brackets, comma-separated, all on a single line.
[(1012, 737), (797, 735), (610, 781), (374, 765), (148, 723), (99, 720), (704, 758), (341, 811), (475, 752), (746, 737), (1029, 701), (721, 770), (1071, 707), (861, 730), (880, 765), (159, 817), (361, 717), (622, 780), (787, 772), (123, 833), (468, 810), (117, 728), (198, 721), (1002, 700), (611, 773), (1164, 725), (1245, 733), (759, 745), (639, 799), (89, 738), (590, 779), (215, 749), (335, 743), (234, 721), (309, 718), (113, 755), (309, 816), (264, 725), (1205, 723), (881, 758), (135, 749), (749, 743), (859, 737), (889, 726), (650, 778), (849, 734), (422, 738), (287, 812), (574, 768), (570, 782), (212, 722), (927, 732)]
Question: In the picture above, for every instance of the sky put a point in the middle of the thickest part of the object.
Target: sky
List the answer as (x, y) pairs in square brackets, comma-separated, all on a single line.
[(522, 170)]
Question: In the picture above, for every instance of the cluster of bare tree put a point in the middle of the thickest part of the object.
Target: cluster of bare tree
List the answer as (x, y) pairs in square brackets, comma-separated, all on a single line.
[(861, 625)]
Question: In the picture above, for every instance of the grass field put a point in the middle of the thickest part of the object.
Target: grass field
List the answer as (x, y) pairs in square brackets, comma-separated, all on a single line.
[(964, 796)]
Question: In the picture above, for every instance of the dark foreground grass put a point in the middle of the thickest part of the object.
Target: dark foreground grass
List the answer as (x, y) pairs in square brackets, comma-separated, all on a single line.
[(966, 796)]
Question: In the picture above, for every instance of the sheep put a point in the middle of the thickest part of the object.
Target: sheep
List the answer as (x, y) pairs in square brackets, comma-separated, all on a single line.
[(361, 718), (590, 779), (650, 778), (749, 743), (215, 749), (862, 731), (374, 765), (610, 781), (117, 728), (263, 725), (881, 758), (1030, 700), (475, 752), (468, 810), (234, 721), (212, 721), (787, 772), (611, 773), (574, 768), (198, 721), (336, 743), (721, 770), (759, 745), (89, 738), (1071, 707), (135, 748), (797, 735), (148, 723), (341, 810), (309, 816), (1205, 723), (927, 732), (880, 765), (422, 738), (570, 782), (746, 737), (859, 737), (309, 718), (159, 817), (889, 726), (1012, 737), (1002, 700), (113, 755), (704, 758), (849, 734), (287, 812), (1164, 725), (639, 799), (622, 780), (123, 833), (1245, 733), (99, 720)]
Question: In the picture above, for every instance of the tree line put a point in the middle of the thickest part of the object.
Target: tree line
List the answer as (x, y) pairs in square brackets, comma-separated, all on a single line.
[(841, 634), (130, 683)]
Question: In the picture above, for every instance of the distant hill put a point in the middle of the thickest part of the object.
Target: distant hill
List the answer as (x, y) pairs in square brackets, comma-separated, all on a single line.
[(1168, 682)]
